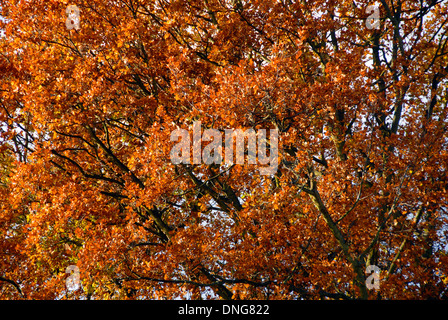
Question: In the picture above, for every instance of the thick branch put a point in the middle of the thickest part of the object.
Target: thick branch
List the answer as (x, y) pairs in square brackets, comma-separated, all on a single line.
[(14, 284)]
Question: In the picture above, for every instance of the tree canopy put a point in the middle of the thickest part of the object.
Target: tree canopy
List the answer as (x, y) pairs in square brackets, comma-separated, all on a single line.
[(358, 96)]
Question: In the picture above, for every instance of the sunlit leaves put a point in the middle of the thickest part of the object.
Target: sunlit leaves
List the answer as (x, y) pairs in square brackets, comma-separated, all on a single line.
[(86, 178)]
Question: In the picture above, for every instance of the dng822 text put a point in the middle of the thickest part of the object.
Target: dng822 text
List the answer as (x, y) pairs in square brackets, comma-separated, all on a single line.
[(245, 309)]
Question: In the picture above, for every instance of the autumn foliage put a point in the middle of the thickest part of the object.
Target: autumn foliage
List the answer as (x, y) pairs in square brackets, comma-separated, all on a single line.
[(86, 177)]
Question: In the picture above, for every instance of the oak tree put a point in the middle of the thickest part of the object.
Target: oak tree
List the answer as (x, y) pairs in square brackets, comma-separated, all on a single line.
[(358, 95)]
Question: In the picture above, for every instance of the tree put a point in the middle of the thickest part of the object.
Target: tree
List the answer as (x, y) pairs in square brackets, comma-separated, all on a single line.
[(87, 114)]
